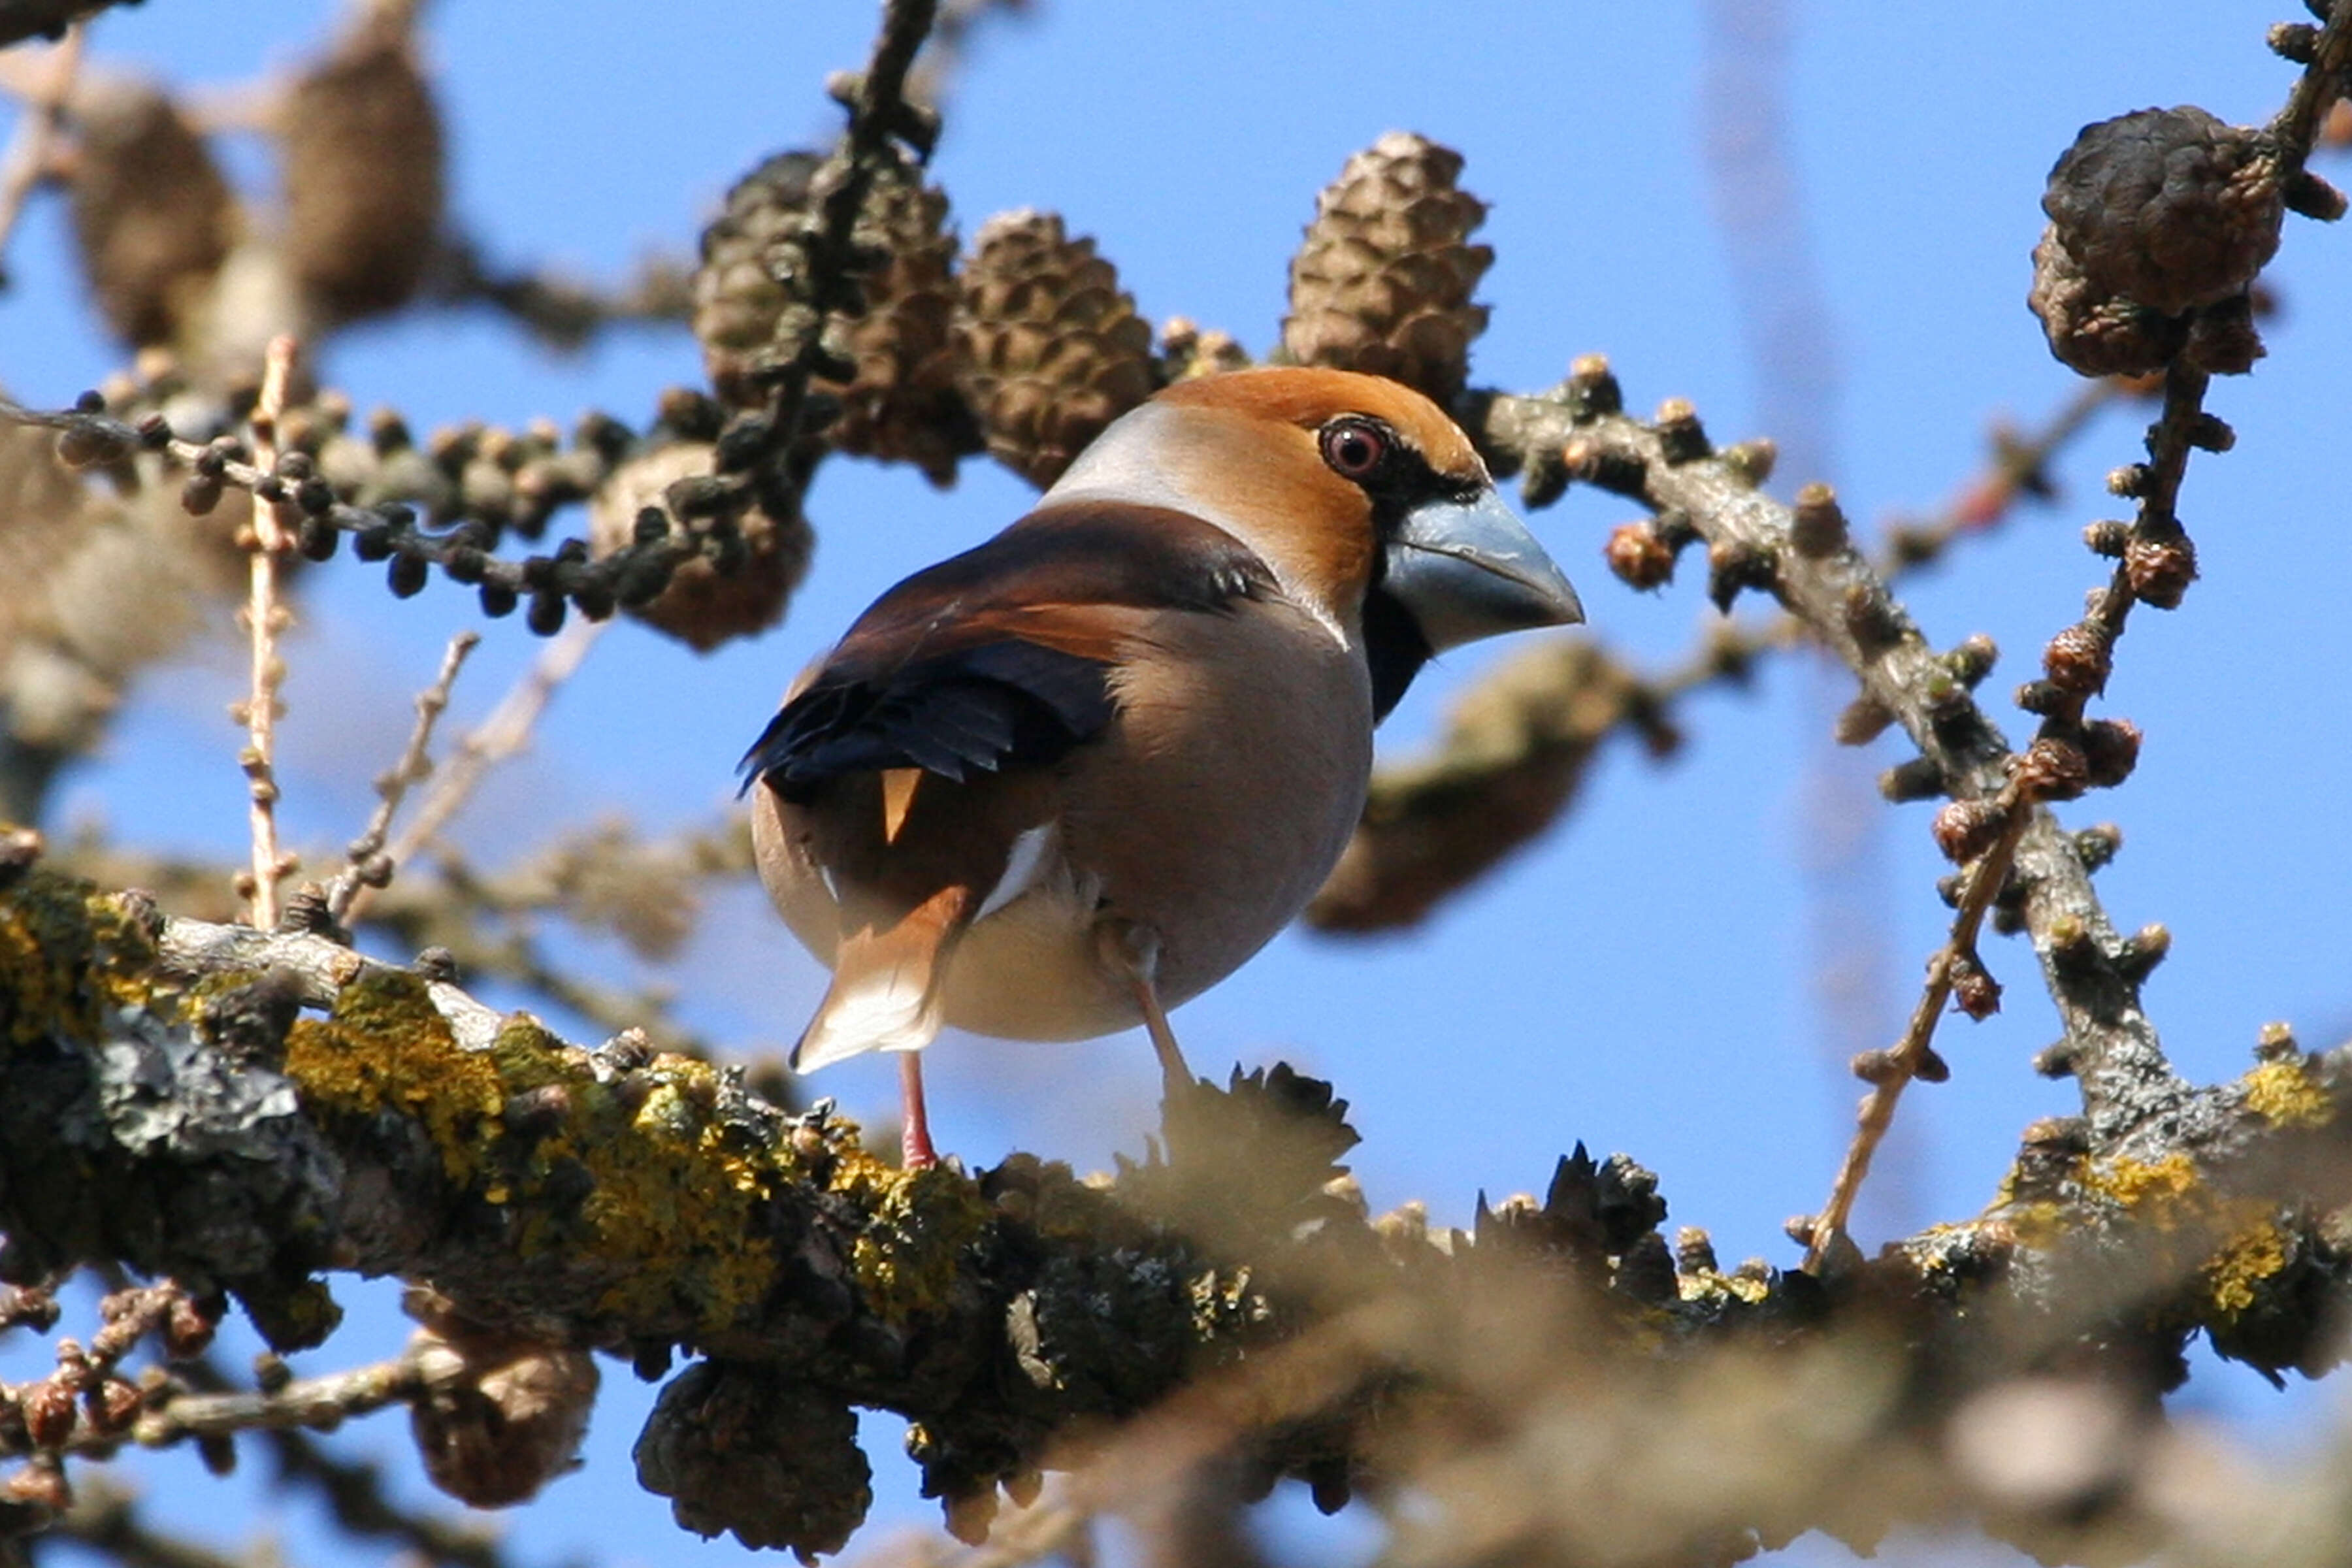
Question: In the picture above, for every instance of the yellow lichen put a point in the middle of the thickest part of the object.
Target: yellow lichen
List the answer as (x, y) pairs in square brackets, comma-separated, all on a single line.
[(1707, 1284), (677, 1197), (2285, 1093), (68, 954), (2163, 1188), (919, 1224), (386, 1047), (2251, 1256)]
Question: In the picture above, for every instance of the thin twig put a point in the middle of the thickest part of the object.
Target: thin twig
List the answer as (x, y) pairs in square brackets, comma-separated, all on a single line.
[(1893, 1071), (317, 1402), (363, 863), (264, 618), (506, 732), (28, 159)]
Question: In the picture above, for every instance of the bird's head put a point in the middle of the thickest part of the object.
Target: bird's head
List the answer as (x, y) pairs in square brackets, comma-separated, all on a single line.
[(1370, 505)]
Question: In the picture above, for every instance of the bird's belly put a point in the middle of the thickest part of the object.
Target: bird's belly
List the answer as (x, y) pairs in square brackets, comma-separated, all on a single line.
[(1030, 972)]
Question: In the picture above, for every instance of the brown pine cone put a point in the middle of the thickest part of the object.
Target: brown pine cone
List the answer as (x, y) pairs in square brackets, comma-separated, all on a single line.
[(741, 1448), (702, 607), (2153, 215), (499, 1416), (364, 184), (1382, 281), (152, 217), (904, 404), (1052, 349), (2169, 208)]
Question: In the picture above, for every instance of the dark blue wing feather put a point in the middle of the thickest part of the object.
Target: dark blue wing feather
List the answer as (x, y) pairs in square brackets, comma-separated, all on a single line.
[(981, 709)]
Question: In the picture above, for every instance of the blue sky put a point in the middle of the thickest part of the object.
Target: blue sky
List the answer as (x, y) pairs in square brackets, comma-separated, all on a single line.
[(1643, 979)]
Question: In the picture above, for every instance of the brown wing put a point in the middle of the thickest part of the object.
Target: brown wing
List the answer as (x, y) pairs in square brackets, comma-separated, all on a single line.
[(999, 656)]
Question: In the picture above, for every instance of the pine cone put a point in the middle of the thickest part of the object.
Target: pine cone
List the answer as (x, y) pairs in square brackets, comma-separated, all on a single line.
[(1382, 281), (1052, 350), (2153, 215), (741, 1448), (364, 184), (702, 607), (904, 404), (152, 214)]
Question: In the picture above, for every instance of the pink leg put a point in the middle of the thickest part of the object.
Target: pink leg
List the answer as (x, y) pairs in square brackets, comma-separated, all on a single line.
[(915, 1151), (1133, 950)]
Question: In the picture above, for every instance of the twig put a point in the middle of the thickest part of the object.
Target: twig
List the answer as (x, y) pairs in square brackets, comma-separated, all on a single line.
[(1891, 1071), (362, 863), (390, 530), (1516, 750), (959, 22), (264, 618), (563, 313), (319, 1402), (355, 1492), (506, 732), (1806, 560), (28, 159)]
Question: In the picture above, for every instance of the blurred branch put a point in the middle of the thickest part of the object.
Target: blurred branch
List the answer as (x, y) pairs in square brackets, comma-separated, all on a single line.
[(564, 313), (107, 1519), (2020, 469), (40, 114), (959, 24), (355, 1495), (1516, 748), (506, 732)]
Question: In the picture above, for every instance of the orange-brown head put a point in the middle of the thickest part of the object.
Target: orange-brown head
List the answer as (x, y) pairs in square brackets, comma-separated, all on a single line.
[(1370, 505)]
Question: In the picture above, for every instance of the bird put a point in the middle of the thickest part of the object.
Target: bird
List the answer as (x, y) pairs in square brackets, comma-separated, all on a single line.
[(1064, 782)]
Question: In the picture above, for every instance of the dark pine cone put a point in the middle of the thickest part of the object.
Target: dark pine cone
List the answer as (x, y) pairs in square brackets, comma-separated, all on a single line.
[(2153, 215), (903, 406)]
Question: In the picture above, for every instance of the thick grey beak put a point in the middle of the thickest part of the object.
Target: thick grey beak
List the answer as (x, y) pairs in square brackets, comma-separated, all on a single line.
[(1470, 569)]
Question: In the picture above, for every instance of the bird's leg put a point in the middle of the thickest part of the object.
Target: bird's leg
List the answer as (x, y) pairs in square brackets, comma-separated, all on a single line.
[(1133, 952), (915, 1151)]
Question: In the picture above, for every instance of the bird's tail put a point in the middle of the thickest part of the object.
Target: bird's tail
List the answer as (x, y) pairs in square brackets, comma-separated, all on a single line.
[(886, 984)]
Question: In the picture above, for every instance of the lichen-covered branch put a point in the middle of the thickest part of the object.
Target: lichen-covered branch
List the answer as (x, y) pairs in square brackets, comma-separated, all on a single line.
[(246, 1109)]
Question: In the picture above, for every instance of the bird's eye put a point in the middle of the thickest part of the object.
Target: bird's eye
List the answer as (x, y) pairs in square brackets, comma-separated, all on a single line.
[(1354, 448)]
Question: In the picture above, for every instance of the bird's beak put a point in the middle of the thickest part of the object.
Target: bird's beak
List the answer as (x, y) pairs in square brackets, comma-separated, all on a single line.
[(1470, 569)]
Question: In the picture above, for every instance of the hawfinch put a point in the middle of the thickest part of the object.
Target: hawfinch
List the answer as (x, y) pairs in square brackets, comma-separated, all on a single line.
[(1068, 780)]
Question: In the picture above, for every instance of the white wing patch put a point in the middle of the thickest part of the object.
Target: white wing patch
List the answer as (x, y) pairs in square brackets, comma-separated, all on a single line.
[(1021, 869)]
